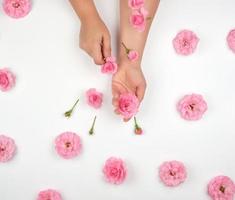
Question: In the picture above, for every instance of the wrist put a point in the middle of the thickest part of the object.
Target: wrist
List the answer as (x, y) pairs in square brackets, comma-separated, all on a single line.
[(125, 61), (85, 9)]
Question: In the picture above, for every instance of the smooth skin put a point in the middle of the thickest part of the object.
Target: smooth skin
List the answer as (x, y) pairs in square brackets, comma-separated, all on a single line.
[(95, 40)]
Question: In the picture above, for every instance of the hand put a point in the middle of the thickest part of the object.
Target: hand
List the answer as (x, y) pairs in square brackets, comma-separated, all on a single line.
[(95, 39), (128, 78)]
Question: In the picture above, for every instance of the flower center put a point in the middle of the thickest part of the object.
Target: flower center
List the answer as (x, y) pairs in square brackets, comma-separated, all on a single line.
[(2, 149), (95, 97), (114, 171), (16, 5), (185, 43), (172, 173), (192, 106), (222, 189), (68, 144)]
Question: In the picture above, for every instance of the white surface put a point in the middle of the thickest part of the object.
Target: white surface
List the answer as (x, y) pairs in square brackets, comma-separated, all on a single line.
[(52, 72)]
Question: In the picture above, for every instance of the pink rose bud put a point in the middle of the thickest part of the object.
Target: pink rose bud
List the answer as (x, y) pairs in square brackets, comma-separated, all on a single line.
[(138, 19), (136, 4), (16, 8), (94, 98), (7, 80), (128, 105), (110, 66), (138, 129)]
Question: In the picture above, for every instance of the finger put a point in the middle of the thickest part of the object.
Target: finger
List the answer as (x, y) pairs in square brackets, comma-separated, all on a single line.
[(115, 102), (97, 55), (126, 119), (117, 112), (140, 92), (106, 48)]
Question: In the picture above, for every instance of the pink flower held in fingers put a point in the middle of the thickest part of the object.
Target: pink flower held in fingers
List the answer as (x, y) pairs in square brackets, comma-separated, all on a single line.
[(128, 105), (49, 195), (68, 145), (115, 171), (172, 173), (138, 19), (192, 107), (7, 148), (136, 4), (94, 98), (17, 8), (185, 42), (231, 40), (7, 80), (110, 66), (221, 188)]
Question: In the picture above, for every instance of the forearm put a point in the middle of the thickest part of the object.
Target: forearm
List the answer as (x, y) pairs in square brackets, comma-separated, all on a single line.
[(131, 37), (85, 9)]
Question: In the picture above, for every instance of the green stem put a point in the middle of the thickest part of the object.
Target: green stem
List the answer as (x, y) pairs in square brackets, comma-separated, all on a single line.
[(125, 47), (69, 112), (91, 131), (136, 125), (75, 104)]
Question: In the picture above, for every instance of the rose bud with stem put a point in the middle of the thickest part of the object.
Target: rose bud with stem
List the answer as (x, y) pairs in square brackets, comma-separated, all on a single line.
[(138, 129), (69, 112), (91, 131), (131, 54)]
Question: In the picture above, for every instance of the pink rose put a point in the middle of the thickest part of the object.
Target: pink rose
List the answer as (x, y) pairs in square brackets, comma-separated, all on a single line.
[(115, 171), (17, 8), (136, 4), (7, 80), (68, 145), (7, 148), (138, 19), (128, 105), (49, 195), (110, 66), (94, 98), (192, 107), (185, 42), (231, 40), (172, 173), (133, 55), (221, 188)]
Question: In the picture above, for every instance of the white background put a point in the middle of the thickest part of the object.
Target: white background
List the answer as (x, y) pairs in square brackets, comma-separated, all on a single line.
[(42, 49)]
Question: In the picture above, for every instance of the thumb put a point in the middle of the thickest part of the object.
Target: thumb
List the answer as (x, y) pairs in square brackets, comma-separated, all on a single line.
[(140, 92), (97, 55), (106, 48)]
